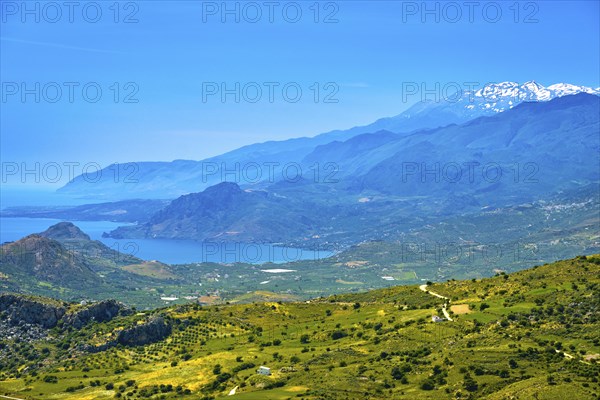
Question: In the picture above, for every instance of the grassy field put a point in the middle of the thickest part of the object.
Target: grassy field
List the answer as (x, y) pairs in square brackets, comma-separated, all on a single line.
[(526, 336)]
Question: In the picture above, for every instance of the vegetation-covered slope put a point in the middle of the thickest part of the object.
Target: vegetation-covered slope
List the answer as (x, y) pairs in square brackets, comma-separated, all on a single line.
[(527, 335), (63, 262)]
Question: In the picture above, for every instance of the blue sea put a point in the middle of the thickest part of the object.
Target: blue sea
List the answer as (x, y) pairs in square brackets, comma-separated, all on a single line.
[(167, 251)]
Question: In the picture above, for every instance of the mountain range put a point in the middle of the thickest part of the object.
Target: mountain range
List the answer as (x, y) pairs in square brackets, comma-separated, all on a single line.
[(510, 158), (171, 179)]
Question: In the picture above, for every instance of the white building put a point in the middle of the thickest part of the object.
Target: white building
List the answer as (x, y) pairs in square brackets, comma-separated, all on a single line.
[(435, 318), (262, 370)]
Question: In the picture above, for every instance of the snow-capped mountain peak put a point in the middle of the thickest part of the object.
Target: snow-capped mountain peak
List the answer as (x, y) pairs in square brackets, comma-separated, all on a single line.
[(498, 97), (564, 89), (487, 100)]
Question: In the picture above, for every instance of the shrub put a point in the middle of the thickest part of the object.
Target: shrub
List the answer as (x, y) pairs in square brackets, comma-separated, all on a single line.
[(335, 335), (427, 384), (243, 366), (50, 379), (470, 384), (74, 388), (397, 373)]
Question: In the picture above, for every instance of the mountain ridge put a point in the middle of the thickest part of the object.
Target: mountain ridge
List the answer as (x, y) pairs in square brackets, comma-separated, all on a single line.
[(187, 176)]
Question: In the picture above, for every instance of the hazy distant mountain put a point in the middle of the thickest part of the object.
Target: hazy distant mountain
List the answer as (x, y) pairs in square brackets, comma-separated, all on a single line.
[(172, 179), (119, 211), (225, 212)]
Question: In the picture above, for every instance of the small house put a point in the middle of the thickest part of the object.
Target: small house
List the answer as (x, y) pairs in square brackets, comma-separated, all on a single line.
[(435, 318), (262, 370)]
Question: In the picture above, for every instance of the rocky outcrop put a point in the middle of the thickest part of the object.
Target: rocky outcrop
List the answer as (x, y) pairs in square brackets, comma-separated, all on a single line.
[(153, 330), (20, 309), (99, 312)]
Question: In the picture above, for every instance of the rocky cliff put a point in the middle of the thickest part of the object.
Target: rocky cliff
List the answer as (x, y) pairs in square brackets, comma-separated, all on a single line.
[(99, 312), (20, 309), (149, 332)]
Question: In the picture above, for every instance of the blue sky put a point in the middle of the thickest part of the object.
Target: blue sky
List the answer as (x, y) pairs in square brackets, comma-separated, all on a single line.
[(177, 48)]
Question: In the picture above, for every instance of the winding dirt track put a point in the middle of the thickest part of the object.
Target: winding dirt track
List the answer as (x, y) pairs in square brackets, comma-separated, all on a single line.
[(446, 314)]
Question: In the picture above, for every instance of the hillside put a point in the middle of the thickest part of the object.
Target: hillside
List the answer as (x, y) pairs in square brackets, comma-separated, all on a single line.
[(63, 262), (529, 335), (44, 259)]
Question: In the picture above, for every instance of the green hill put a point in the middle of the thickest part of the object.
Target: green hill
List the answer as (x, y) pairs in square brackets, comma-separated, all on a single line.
[(63, 262), (36, 257), (532, 334)]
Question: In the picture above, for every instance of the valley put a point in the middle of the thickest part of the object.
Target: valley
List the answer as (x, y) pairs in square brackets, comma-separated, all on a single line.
[(459, 247)]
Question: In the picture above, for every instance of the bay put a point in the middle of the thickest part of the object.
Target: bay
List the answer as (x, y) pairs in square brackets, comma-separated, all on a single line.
[(167, 251)]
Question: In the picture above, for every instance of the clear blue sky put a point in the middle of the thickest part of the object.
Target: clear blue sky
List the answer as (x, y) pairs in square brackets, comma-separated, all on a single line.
[(170, 51)]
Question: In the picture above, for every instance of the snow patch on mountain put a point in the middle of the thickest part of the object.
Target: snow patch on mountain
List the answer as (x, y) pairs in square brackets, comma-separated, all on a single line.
[(498, 97)]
